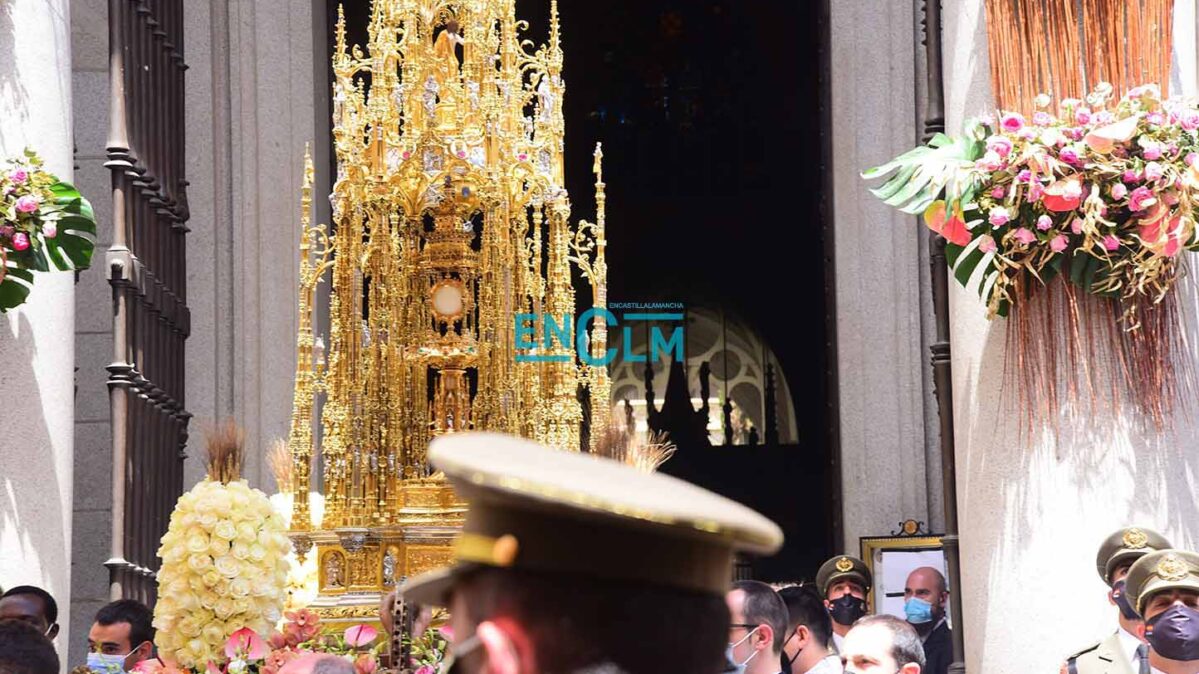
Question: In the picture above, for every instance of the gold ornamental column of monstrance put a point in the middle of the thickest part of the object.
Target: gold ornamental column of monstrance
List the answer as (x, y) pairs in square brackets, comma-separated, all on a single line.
[(450, 218)]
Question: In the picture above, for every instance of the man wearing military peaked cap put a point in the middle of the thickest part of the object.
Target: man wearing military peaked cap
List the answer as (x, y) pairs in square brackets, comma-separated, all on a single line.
[(1123, 652), (1164, 588), (844, 582), (571, 563)]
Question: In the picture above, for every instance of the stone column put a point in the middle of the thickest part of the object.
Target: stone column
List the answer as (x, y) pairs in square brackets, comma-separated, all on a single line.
[(250, 111), (1033, 511), (37, 341), (888, 415)]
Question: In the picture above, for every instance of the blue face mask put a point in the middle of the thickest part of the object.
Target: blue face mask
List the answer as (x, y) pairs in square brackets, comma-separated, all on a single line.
[(918, 611), (106, 664), (738, 667)]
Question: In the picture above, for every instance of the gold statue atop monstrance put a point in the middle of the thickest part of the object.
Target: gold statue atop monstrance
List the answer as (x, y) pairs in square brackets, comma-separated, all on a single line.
[(450, 218)]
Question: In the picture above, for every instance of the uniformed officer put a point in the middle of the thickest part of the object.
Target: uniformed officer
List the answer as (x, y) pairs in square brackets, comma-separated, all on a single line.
[(1122, 652), (1164, 588), (844, 582), (570, 563)]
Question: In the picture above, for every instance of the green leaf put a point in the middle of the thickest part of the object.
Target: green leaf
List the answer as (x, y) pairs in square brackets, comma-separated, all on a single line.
[(895, 183), (967, 262), (14, 289), (72, 248)]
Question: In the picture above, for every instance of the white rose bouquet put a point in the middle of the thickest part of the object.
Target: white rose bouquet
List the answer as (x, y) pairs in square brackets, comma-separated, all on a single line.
[(224, 561)]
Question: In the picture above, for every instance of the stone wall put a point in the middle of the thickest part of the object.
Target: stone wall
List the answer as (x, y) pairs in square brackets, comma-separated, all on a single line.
[(889, 465)]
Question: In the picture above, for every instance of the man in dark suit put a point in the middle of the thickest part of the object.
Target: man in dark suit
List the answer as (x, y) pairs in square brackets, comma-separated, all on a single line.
[(924, 596)]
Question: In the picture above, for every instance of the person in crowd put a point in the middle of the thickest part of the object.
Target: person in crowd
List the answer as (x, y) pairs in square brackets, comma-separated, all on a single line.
[(121, 636), (882, 644), (32, 605), (542, 579), (809, 629), (844, 582), (1163, 586), (758, 619), (924, 597), (318, 664), (1124, 652), (24, 649)]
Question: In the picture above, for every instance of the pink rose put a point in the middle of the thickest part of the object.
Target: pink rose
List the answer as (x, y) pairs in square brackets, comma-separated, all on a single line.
[(20, 241), (1059, 243), (1082, 116), (50, 230), (1044, 223), (1153, 171), (998, 216), (1011, 122), (27, 204), (18, 176), (1068, 155), (1110, 242), (1119, 191), (1025, 236), (1130, 176), (1171, 198), (997, 192), (1150, 149), (425, 669), (1035, 191), (1024, 176), (1190, 120), (1000, 145), (1142, 198), (1076, 226), (1155, 118), (986, 244), (1042, 119), (6, 230)]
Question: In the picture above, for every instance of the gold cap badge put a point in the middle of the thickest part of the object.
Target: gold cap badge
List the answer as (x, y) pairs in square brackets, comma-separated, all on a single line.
[(844, 565), (1135, 538), (1171, 568)]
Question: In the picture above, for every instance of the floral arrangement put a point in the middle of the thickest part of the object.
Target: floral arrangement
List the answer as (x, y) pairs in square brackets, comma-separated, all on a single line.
[(429, 649), (245, 651), (45, 225), (1100, 193), (224, 562)]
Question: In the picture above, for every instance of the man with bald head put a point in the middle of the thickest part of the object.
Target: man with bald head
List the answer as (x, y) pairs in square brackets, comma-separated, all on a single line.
[(924, 597)]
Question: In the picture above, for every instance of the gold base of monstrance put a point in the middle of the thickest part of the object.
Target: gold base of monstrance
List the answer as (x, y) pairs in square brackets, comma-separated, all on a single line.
[(357, 566)]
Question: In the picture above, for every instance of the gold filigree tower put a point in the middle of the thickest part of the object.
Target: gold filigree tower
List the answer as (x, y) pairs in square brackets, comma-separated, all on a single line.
[(450, 221)]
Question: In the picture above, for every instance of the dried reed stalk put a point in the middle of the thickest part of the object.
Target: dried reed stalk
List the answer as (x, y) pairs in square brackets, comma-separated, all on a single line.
[(1066, 47), (629, 447), (280, 460), (1068, 351), (225, 453)]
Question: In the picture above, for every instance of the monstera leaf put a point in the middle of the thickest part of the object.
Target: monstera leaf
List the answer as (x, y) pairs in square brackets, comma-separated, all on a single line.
[(71, 249), (921, 174)]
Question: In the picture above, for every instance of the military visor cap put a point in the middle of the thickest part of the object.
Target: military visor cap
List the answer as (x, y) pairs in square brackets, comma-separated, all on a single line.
[(1126, 546), (1159, 571), (538, 509), (843, 567)]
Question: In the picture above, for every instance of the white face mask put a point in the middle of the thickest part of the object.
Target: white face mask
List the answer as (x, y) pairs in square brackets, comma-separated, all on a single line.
[(102, 663), (729, 653)]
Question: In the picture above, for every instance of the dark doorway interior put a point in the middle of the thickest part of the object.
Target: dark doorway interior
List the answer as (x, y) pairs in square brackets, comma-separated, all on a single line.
[(710, 116)]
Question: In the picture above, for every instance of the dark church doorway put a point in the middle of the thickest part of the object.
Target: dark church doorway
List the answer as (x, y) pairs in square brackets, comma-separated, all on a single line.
[(712, 114)]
